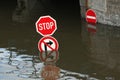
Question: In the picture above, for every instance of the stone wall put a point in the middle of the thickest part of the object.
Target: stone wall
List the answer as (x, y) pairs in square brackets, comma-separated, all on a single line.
[(108, 11), (83, 7), (23, 10)]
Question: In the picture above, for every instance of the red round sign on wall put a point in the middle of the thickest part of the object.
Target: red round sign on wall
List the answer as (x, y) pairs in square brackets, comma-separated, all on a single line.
[(46, 25), (91, 16)]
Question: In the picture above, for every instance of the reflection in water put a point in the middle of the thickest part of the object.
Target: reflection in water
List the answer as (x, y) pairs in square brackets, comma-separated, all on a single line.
[(104, 52), (28, 67), (101, 61), (95, 55), (50, 72), (105, 47), (91, 28), (49, 56)]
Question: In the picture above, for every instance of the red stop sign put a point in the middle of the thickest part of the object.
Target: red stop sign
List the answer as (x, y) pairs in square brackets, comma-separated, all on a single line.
[(46, 25), (91, 16)]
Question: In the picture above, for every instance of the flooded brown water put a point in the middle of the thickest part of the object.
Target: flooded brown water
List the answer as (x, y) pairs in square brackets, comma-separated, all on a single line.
[(83, 55)]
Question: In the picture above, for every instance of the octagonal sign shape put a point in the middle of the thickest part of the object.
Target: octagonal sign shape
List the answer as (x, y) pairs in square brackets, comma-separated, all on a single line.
[(46, 25)]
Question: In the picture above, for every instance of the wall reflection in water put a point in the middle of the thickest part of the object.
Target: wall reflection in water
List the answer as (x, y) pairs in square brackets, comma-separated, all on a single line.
[(91, 28), (104, 49)]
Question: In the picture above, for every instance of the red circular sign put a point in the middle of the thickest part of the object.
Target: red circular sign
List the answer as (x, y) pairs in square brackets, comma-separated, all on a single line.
[(91, 16), (48, 44), (46, 25)]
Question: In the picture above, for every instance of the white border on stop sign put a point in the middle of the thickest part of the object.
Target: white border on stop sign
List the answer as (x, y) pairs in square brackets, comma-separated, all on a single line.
[(50, 18)]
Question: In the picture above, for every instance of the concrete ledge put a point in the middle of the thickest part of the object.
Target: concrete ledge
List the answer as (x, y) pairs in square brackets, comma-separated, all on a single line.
[(109, 19)]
